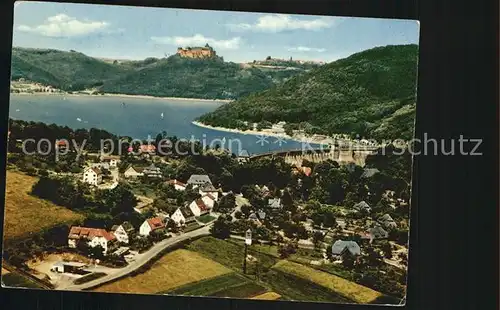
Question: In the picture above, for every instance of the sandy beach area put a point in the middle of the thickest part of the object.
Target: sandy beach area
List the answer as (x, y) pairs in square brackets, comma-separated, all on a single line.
[(123, 96), (269, 133)]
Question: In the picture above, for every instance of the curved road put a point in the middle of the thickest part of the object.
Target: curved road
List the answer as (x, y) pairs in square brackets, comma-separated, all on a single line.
[(141, 259)]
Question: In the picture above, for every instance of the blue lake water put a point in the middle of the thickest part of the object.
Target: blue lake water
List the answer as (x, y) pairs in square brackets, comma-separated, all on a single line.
[(138, 118)]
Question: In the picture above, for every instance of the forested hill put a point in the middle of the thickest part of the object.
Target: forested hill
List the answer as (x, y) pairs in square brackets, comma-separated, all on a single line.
[(173, 76), (371, 93), (198, 78), (65, 70)]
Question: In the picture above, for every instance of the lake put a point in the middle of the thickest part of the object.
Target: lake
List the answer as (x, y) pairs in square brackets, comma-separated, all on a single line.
[(138, 118)]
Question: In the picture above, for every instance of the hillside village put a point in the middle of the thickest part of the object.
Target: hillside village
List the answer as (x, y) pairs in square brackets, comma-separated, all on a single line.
[(102, 218), (140, 203)]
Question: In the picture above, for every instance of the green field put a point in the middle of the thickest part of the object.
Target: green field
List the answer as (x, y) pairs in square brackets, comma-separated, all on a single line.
[(245, 290), (291, 287), (230, 254), (13, 279), (341, 286), (229, 285), (89, 277), (175, 269), (205, 218)]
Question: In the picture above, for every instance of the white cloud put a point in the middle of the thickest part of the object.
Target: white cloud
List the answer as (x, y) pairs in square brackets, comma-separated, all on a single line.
[(306, 49), (199, 40), (62, 25), (279, 22)]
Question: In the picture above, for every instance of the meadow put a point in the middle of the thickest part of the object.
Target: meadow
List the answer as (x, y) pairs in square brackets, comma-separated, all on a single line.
[(343, 287), (173, 270), (26, 214)]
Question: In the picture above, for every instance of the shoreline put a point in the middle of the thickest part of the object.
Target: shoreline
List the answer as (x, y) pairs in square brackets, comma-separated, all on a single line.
[(123, 96), (265, 133)]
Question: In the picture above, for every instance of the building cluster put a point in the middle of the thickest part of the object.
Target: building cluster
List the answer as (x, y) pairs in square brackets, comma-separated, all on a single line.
[(121, 234), (197, 52)]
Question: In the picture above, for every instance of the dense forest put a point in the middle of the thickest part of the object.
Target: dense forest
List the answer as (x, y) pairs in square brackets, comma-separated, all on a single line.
[(68, 71), (371, 94), (170, 77)]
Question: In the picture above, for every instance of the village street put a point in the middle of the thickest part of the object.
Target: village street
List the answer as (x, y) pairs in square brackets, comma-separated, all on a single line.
[(141, 259)]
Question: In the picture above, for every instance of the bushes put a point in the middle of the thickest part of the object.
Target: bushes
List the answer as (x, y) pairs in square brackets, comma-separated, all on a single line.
[(89, 277)]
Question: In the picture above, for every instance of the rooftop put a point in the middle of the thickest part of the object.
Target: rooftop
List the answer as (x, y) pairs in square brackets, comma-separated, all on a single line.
[(77, 232), (207, 187), (340, 246), (155, 223), (199, 179)]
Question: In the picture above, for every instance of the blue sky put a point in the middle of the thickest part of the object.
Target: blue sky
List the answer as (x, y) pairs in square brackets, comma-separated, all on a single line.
[(136, 32)]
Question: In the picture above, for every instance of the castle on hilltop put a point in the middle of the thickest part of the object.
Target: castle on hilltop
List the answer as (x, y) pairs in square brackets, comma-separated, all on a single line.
[(197, 52)]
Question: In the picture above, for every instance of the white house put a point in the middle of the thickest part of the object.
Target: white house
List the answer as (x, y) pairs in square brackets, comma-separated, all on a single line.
[(93, 236), (150, 225), (152, 171), (178, 185), (133, 172), (122, 232), (243, 156), (209, 189), (112, 161), (182, 216), (209, 200), (198, 207), (92, 176)]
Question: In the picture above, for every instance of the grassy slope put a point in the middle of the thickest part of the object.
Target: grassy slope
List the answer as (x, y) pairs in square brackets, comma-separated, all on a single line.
[(356, 94), (229, 254), (25, 214), (290, 287), (348, 289), (173, 270), (13, 279)]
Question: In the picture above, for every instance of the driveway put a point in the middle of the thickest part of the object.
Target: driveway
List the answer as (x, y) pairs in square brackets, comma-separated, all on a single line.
[(141, 259)]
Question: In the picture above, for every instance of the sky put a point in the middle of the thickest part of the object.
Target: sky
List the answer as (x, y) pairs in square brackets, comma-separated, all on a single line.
[(120, 32)]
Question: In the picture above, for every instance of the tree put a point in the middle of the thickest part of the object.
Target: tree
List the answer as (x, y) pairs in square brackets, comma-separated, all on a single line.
[(329, 219), (302, 232), (246, 210), (227, 203), (318, 237), (387, 249), (290, 229), (263, 233), (221, 228), (238, 214), (329, 253), (279, 239), (287, 201), (287, 249), (348, 260), (372, 257), (404, 259), (96, 252), (172, 226), (157, 235)]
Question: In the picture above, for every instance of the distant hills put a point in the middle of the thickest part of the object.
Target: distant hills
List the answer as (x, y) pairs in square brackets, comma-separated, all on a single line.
[(170, 77), (370, 94)]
